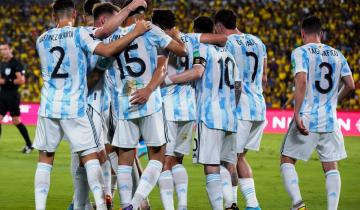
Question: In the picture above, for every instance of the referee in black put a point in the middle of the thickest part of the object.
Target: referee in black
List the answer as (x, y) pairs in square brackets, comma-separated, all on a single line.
[(12, 75)]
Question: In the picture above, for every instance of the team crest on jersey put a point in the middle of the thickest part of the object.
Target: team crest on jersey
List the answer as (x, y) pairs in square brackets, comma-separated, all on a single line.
[(131, 86), (7, 71)]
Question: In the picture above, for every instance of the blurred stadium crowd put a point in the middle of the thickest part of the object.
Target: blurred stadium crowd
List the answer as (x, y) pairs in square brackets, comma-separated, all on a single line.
[(276, 22)]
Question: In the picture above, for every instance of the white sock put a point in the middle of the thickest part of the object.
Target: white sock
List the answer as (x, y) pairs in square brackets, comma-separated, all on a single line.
[(214, 191), (181, 180), (95, 180), (226, 186), (114, 159), (235, 194), (106, 172), (247, 187), (333, 187), (166, 186), (42, 185), (291, 182), (81, 188), (125, 184), (147, 182)]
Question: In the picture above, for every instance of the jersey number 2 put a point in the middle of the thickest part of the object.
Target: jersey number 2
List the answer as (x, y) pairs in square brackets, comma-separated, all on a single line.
[(327, 77), (55, 74)]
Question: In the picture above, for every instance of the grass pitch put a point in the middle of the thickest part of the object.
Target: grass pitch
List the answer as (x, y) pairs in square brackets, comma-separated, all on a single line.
[(17, 176)]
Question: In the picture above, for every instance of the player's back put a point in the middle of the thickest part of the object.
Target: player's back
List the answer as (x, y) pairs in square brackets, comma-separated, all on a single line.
[(179, 99), (324, 66), (62, 53), (133, 70), (215, 91), (249, 53)]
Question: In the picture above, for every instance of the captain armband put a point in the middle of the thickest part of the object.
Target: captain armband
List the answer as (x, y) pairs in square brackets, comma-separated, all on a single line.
[(200, 60)]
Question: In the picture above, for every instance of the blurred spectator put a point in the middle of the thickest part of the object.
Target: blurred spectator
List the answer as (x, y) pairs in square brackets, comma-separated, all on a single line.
[(276, 22)]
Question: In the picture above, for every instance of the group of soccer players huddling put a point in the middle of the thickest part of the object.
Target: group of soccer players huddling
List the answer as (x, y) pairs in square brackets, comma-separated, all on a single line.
[(121, 79)]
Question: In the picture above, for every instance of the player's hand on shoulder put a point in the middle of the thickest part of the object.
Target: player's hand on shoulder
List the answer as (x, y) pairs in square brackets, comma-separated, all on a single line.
[(174, 33), (141, 96), (137, 3), (2, 81), (142, 26), (300, 125)]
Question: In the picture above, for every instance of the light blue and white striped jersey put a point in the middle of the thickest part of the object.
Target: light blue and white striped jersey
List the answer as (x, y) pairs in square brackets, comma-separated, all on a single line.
[(325, 66), (179, 99), (62, 53), (94, 98), (215, 94), (249, 53), (106, 97), (133, 70)]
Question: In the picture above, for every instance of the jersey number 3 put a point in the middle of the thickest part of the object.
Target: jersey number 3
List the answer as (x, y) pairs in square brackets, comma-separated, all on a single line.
[(55, 74), (326, 77)]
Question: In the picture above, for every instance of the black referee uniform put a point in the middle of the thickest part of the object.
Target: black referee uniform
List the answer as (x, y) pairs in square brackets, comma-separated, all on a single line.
[(10, 97)]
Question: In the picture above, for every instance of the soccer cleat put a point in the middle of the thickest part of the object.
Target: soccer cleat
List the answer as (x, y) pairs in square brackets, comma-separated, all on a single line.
[(233, 207), (27, 150), (299, 206), (71, 206), (128, 208), (252, 208), (108, 202)]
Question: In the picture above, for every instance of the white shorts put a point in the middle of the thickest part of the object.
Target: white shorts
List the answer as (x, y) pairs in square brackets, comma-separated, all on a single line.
[(108, 126), (178, 136), (79, 132), (97, 123), (249, 134), (329, 146), (151, 128), (213, 146)]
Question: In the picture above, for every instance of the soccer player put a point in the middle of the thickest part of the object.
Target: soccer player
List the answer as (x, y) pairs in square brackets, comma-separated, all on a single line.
[(319, 69), (102, 15), (216, 109), (12, 75), (250, 55), (62, 51), (179, 111), (137, 105)]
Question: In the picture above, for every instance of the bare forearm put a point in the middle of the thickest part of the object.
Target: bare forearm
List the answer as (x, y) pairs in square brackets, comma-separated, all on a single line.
[(112, 24), (344, 92), (299, 97), (216, 39), (184, 77), (159, 74)]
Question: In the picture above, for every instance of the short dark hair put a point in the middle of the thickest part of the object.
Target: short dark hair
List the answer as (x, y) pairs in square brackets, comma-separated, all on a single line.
[(203, 24), (89, 6), (59, 5), (311, 24), (164, 18), (103, 8), (138, 10), (227, 18)]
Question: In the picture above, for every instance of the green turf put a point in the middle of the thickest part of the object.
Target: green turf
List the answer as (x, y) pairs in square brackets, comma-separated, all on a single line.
[(17, 173)]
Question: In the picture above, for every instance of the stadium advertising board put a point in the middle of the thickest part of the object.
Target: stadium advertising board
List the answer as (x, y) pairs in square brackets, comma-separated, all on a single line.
[(277, 120)]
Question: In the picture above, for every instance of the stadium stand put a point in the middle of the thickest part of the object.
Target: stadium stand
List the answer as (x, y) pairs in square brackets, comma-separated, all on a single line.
[(275, 22)]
